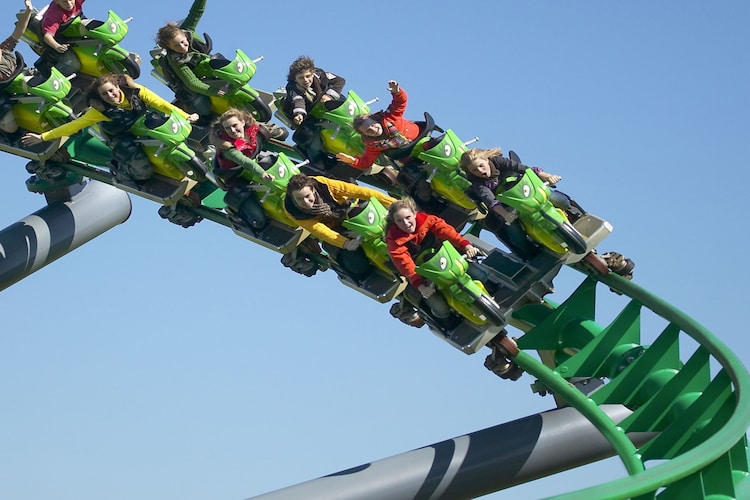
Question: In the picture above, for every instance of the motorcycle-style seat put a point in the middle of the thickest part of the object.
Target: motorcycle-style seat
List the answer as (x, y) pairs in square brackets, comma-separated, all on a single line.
[(20, 66), (425, 128)]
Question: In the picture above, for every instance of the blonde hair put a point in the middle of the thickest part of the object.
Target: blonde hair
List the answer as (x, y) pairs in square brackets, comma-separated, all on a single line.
[(474, 154)]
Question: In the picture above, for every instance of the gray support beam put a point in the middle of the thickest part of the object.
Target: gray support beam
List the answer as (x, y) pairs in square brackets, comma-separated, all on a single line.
[(58, 228), (472, 465)]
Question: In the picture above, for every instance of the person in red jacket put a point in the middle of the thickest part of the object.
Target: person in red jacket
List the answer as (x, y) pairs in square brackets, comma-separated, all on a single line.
[(239, 142), (408, 233), (383, 130)]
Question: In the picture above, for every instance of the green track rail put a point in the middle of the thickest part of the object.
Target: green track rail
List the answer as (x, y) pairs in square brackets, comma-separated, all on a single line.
[(700, 420)]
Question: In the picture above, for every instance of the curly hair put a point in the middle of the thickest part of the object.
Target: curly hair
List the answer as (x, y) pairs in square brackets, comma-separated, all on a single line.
[(300, 65), (166, 34), (299, 181)]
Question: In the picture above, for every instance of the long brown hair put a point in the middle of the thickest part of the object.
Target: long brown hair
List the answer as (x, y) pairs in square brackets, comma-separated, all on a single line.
[(117, 79), (217, 132)]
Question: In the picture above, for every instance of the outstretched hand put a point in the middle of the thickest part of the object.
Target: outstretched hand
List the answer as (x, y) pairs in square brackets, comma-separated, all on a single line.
[(28, 5), (31, 138), (345, 158), (550, 179), (393, 86)]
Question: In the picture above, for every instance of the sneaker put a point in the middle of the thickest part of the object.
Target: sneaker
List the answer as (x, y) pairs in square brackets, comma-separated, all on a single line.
[(278, 133), (413, 319), (406, 314), (619, 264)]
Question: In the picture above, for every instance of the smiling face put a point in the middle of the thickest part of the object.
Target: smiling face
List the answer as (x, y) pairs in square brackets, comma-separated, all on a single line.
[(234, 127), (110, 93), (66, 5), (179, 43), (304, 197), (371, 128), (304, 79), (405, 219)]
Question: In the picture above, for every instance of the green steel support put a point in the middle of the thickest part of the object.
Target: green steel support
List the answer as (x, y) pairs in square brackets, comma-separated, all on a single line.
[(701, 421)]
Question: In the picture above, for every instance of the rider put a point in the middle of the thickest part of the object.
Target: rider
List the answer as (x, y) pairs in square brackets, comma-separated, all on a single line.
[(320, 204), (408, 233), (8, 64), (184, 52), (117, 101), (383, 130), (57, 14), (486, 169), (239, 140), (306, 86)]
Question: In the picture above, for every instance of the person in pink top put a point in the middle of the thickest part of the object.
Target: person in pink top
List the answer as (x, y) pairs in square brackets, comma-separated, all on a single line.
[(59, 12)]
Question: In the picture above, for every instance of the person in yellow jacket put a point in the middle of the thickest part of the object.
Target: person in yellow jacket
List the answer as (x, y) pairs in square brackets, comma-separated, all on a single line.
[(319, 204), (115, 101)]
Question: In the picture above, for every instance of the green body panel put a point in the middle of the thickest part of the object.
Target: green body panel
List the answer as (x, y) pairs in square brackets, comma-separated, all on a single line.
[(369, 224), (442, 159), (447, 269), (40, 106), (271, 194), (529, 196), (168, 151), (96, 44)]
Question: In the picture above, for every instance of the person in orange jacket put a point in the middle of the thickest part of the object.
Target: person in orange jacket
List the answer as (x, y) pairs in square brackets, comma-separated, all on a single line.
[(408, 233), (383, 130)]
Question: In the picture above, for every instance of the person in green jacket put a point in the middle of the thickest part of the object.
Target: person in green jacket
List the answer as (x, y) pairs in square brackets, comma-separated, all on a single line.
[(184, 51)]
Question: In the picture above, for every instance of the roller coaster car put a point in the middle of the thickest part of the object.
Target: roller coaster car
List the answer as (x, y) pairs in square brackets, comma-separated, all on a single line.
[(378, 285), (279, 233), (275, 235), (512, 283), (379, 279), (366, 219), (428, 172), (334, 135), (160, 188), (36, 104)]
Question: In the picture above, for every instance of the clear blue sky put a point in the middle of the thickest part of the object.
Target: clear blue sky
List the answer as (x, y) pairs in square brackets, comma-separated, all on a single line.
[(157, 362)]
